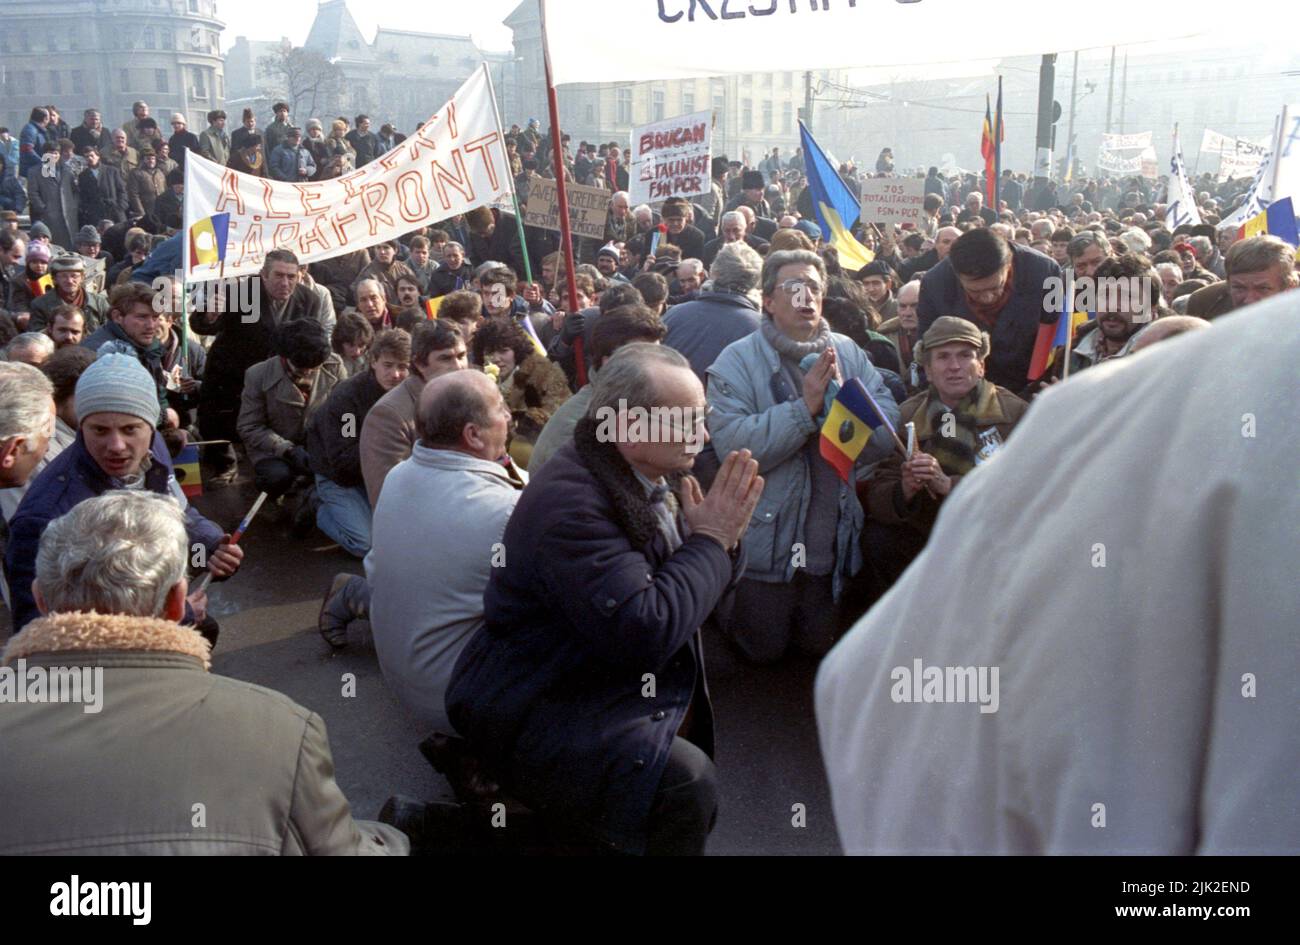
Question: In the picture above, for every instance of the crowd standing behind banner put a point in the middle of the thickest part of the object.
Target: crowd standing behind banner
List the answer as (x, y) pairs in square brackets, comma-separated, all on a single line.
[(457, 371)]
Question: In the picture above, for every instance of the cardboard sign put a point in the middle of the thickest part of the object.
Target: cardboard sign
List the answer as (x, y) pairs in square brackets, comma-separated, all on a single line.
[(893, 200), (671, 158), (588, 207)]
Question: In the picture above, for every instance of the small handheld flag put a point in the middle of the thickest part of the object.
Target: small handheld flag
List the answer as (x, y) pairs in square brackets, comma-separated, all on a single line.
[(853, 418), (208, 240), (188, 473), (432, 305)]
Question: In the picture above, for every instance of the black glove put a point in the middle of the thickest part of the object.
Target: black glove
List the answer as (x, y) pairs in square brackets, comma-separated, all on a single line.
[(299, 459), (574, 323)]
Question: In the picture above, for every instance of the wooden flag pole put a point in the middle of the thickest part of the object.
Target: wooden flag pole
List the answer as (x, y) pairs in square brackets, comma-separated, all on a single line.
[(566, 238)]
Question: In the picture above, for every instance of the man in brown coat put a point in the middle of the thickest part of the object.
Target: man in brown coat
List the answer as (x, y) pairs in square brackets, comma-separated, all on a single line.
[(157, 755), (961, 420), (145, 184), (1257, 268)]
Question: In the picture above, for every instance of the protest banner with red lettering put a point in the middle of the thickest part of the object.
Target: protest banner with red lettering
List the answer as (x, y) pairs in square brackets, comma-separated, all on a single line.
[(588, 207), (456, 162), (671, 158), (893, 200)]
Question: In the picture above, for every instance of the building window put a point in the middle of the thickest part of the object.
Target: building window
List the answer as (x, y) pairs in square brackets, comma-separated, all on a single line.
[(160, 79), (719, 96), (56, 83), (789, 80), (78, 83), (147, 40), (767, 116), (657, 105), (221, 87), (124, 80), (29, 82), (194, 6), (625, 106), (747, 114), (200, 84), (787, 118), (688, 100), (591, 114), (168, 39)]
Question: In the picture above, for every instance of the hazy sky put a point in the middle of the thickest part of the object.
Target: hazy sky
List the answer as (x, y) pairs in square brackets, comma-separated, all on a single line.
[(258, 19)]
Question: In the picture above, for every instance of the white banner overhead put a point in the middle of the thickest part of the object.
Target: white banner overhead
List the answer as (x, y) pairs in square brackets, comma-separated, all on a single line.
[(672, 39), (1123, 142), (456, 162)]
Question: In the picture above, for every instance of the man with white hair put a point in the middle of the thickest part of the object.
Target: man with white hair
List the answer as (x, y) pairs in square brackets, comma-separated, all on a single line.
[(26, 421), (620, 225), (733, 228), (690, 277), (31, 347), (111, 587), (975, 210), (720, 314), (943, 240)]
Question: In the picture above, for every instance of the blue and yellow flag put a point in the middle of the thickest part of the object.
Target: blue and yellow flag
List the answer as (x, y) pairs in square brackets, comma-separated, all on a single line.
[(208, 240), (853, 416), (834, 204)]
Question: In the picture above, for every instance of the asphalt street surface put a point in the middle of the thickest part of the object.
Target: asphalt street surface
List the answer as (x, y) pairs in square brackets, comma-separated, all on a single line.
[(767, 752)]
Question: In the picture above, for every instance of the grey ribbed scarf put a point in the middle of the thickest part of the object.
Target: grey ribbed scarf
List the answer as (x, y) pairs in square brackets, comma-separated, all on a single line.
[(787, 347)]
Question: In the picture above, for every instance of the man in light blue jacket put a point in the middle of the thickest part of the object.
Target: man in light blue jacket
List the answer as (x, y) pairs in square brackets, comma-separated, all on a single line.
[(802, 542)]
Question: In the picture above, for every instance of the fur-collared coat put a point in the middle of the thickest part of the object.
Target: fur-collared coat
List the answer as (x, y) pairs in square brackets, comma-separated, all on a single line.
[(178, 760)]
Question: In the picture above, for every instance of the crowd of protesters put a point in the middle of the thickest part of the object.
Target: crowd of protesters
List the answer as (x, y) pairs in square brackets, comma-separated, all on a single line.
[(580, 563)]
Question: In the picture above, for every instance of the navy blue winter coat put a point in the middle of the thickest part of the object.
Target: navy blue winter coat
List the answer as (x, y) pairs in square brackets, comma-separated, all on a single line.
[(551, 690), (70, 478), (1017, 325)]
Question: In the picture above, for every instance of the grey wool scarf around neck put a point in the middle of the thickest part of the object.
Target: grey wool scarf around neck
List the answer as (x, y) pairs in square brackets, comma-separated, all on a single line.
[(787, 347)]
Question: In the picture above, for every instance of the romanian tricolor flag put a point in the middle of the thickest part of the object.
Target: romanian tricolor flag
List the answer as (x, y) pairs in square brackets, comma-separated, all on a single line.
[(853, 416), (208, 240), (991, 149), (1278, 220), (38, 287), (1052, 335), (432, 305), (834, 205), (188, 474)]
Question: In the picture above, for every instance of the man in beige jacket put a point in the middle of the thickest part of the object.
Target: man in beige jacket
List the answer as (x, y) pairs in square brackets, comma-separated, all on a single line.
[(154, 754), (389, 430)]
